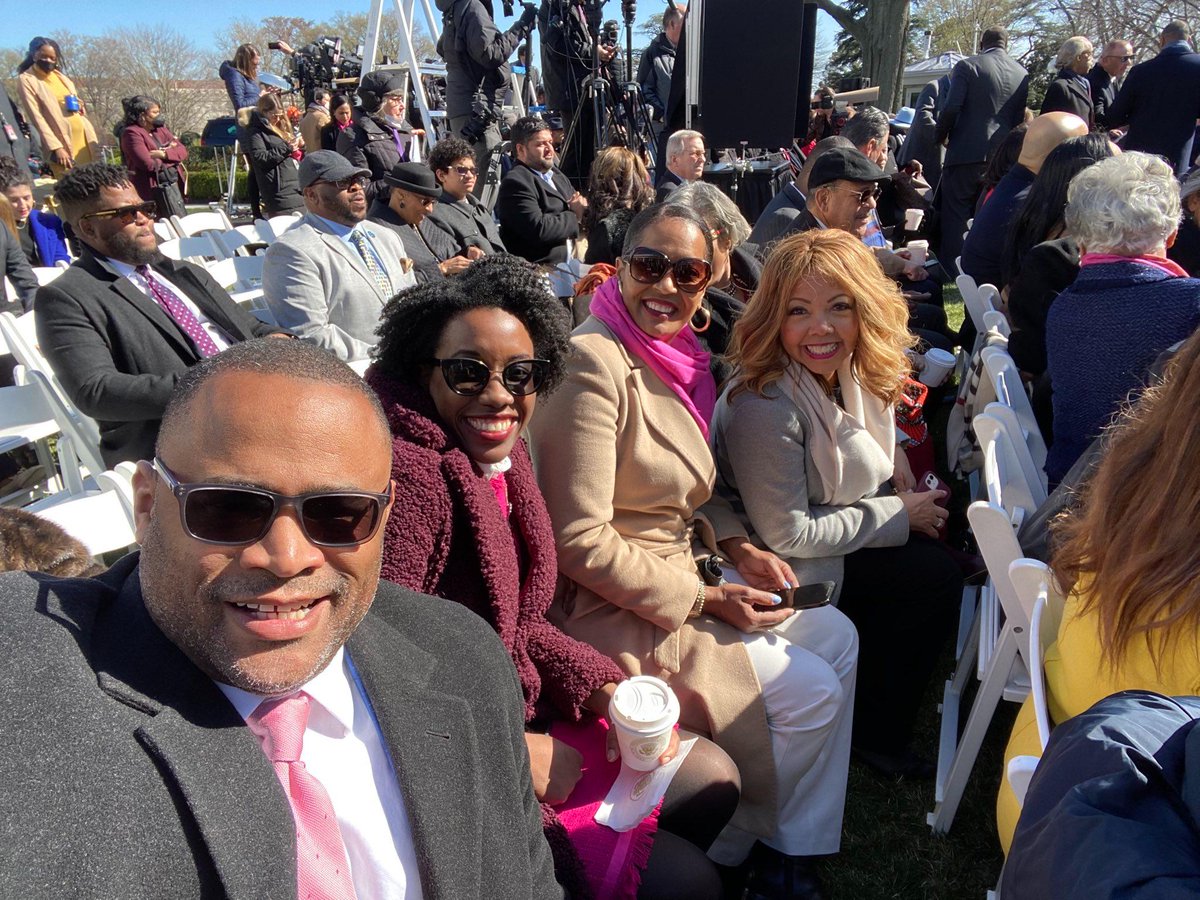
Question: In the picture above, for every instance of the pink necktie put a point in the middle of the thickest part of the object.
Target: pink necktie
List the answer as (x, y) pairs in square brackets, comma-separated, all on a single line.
[(500, 489), (179, 313), (322, 869)]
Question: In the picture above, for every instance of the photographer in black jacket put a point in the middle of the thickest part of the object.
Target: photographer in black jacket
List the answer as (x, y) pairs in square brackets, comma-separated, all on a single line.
[(477, 71)]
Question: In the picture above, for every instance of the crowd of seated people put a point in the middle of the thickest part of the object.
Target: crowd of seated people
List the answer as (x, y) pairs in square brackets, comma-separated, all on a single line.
[(712, 489)]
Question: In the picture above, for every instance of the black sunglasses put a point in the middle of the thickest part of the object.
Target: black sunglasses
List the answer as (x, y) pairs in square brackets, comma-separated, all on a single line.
[(346, 184), (466, 171), (126, 214), (230, 515), (871, 193), (470, 377), (651, 266)]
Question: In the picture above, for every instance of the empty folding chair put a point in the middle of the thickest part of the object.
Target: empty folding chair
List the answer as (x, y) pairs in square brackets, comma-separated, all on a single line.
[(271, 229), (200, 222), (165, 231), (101, 520), (193, 249), (26, 419), (241, 241)]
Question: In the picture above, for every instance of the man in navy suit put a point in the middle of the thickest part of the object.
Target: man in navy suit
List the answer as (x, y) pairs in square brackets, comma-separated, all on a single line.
[(985, 102), (1160, 100)]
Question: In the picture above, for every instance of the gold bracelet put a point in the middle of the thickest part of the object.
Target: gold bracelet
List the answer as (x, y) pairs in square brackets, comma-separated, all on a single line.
[(698, 605)]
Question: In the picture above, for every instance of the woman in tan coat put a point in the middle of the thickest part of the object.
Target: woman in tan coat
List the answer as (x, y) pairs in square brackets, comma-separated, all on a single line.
[(54, 107), (627, 475)]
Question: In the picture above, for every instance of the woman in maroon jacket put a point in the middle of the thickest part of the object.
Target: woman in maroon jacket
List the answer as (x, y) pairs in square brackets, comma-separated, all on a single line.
[(152, 153), (458, 370)]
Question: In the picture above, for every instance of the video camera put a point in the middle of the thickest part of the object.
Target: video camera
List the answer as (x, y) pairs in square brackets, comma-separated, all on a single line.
[(321, 64)]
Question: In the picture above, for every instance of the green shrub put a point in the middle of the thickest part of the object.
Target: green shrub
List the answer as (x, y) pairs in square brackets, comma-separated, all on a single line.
[(204, 186)]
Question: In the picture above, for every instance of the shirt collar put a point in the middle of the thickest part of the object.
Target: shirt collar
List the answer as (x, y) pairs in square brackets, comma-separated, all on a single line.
[(330, 688), (337, 229), (124, 269)]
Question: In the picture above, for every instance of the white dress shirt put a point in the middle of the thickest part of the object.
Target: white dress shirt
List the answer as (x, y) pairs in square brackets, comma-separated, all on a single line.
[(344, 750), (219, 337)]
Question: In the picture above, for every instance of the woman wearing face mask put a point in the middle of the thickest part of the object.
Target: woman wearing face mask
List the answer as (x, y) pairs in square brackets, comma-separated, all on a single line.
[(55, 109), (274, 154), (341, 112), (381, 137), (153, 155)]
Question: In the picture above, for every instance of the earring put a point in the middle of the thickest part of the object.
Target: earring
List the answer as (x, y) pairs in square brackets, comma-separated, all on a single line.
[(707, 319)]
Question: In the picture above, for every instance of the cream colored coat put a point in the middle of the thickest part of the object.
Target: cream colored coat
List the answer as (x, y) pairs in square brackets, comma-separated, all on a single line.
[(44, 114), (628, 478)]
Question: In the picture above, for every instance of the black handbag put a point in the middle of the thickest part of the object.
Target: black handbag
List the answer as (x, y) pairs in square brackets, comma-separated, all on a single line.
[(168, 196)]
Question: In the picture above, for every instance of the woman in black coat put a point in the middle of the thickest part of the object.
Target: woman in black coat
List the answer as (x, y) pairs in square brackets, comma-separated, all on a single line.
[(341, 111), (273, 151), (381, 137)]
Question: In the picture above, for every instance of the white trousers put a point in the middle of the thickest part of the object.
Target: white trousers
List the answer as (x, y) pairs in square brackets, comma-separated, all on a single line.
[(806, 668)]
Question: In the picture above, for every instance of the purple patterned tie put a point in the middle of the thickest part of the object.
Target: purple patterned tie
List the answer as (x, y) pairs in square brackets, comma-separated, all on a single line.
[(178, 311)]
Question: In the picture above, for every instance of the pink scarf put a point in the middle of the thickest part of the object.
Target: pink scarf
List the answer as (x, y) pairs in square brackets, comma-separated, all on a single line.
[(1169, 266), (682, 364)]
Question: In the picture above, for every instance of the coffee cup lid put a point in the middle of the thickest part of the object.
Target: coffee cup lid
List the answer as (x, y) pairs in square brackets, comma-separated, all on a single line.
[(644, 700)]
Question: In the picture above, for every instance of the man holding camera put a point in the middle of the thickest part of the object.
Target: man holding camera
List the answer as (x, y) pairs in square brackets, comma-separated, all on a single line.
[(477, 72)]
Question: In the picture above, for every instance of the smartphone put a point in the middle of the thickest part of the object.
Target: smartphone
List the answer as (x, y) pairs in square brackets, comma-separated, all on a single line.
[(808, 596), (930, 482)]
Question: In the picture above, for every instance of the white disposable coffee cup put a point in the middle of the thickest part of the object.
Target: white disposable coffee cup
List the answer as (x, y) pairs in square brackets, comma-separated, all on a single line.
[(938, 364), (918, 252), (644, 711), (913, 219)]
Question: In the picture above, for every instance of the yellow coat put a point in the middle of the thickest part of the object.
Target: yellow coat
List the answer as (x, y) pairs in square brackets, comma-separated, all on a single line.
[(628, 478), (1076, 678), (44, 113)]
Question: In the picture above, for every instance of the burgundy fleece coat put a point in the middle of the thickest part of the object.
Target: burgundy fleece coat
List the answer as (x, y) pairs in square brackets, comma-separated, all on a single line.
[(447, 537)]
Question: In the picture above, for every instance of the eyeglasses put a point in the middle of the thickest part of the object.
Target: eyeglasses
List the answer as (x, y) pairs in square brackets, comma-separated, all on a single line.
[(229, 515), (649, 266), (126, 215), (871, 193), (466, 171), (347, 184), (470, 377)]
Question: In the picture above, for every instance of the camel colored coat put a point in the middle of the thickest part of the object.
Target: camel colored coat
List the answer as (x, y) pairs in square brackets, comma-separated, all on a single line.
[(47, 117), (628, 478)]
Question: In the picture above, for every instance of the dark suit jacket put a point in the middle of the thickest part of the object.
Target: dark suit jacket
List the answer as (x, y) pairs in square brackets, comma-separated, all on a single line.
[(666, 185), (127, 773), (426, 247), (535, 221), (776, 219), (471, 224), (1160, 102), (986, 100), (1068, 94), (118, 354), (16, 268), (921, 143), (1104, 92)]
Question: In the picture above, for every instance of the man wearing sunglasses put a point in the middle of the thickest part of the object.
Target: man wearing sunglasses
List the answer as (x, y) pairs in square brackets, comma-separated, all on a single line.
[(1160, 100), (243, 709), (328, 278), (1113, 62), (124, 322)]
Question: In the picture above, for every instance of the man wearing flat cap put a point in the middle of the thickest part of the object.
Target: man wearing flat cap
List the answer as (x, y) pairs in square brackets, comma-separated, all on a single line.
[(328, 278), (406, 212), (381, 137)]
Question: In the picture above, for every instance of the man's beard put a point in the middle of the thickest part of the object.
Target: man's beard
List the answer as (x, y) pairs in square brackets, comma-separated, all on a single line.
[(126, 249)]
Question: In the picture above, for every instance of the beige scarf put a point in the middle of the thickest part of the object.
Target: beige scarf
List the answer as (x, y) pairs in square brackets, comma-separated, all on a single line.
[(864, 426)]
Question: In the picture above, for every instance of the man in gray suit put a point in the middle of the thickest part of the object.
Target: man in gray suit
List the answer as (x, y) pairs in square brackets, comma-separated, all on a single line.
[(243, 710), (328, 278), (986, 100)]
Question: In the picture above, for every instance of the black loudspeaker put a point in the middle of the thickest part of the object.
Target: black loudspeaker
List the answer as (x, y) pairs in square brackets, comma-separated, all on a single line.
[(749, 71)]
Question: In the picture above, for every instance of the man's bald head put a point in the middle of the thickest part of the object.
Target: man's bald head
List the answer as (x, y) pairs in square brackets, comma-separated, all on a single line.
[(1045, 133)]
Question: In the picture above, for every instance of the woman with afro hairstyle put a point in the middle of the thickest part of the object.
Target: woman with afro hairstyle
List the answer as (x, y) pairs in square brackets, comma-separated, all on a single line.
[(459, 367)]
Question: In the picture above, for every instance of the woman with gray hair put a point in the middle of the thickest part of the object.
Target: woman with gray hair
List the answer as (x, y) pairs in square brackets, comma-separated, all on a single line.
[(735, 266), (1128, 304)]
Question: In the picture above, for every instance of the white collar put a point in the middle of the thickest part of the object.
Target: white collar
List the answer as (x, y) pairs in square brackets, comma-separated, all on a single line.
[(491, 470), (330, 688)]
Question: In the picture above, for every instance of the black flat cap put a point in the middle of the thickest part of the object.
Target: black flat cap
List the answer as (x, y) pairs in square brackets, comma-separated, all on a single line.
[(843, 163), (415, 177), (325, 165)]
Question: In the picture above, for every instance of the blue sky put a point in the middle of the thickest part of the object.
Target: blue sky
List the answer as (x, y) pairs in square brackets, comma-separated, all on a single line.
[(201, 21)]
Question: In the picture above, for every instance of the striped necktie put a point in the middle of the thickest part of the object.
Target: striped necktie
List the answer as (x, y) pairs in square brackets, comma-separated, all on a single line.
[(359, 239)]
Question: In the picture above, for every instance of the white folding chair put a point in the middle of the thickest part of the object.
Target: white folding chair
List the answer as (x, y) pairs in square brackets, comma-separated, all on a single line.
[(165, 231), (194, 249), (26, 419), (101, 520), (997, 324), (1010, 390), (200, 222), (1000, 623), (82, 431), (46, 274), (241, 241), (270, 229)]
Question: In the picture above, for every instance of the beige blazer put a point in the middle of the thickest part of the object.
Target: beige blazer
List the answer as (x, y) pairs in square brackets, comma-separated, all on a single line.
[(44, 113), (628, 479)]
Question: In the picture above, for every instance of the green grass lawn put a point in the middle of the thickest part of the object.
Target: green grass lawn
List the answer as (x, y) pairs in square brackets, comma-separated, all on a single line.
[(887, 849)]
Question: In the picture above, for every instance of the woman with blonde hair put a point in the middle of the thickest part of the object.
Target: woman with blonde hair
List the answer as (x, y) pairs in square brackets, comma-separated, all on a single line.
[(274, 153), (1126, 558), (805, 443), (618, 189)]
